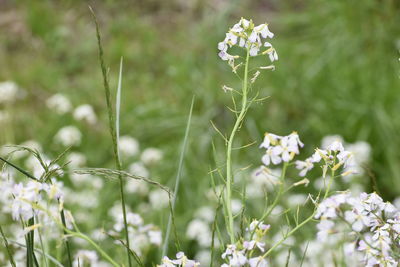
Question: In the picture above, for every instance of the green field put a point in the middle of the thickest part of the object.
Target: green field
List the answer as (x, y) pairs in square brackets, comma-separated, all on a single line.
[(337, 74)]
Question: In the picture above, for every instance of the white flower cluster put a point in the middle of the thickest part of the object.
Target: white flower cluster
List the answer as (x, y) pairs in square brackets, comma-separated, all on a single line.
[(83, 257), (333, 157), (21, 196), (199, 229), (242, 253), (361, 151), (68, 136), (244, 34), (181, 261), (62, 105), (59, 103), (9, 92), (85, 113), (142, 235), (280, 148), (375, 225)]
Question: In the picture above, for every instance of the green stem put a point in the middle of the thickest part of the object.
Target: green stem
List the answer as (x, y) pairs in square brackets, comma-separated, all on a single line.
[(66, 240), (229, 178), (278, 196), (10, 256), (113, 132), (302, 223)]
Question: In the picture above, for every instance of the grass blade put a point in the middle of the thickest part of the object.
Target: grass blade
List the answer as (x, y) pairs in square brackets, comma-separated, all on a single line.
[(118, 105), (112, 131), (10, 257), (177, 179)]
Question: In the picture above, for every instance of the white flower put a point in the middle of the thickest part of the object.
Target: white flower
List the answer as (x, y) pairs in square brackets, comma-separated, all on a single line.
[(200, 231), (128, 146), (272, 155), (255, 224), (76, 160), (235, 257), (250, 245), (250, 38), (59, 103), (270, 140), (23, 195), (304, 166), (258, 262), (158, 199), (155, 237), (325, 227), (68, 136), (137, 186), (8, 92), (84, 257), (181, 260), (85, 113), (329, 139), (137, 168), (151, 156), (206, 213), (357, 219), (335, 146)]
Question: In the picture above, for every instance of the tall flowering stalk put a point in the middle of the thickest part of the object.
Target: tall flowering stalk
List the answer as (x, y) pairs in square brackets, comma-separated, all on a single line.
[(249, 37)]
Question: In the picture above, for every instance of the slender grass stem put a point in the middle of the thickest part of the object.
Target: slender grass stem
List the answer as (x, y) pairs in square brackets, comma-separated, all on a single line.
[(62, 215), (280, 192), (10, 257), (113, 132), (229, 178)]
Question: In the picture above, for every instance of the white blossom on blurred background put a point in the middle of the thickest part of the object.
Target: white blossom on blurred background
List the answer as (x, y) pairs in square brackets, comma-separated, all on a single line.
[(59, 103), (68, 136)]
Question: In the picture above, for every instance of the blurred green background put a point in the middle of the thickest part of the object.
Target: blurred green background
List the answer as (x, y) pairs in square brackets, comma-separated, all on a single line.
[(338, 73)]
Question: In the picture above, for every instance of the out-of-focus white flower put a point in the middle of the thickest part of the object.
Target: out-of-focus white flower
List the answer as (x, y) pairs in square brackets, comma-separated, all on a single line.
[(294, 200), (258, 225), (76, 160), (304, 166), (181, 260), (203, 256), (325, 228), (206, 213), (137, 186), (151, 156), (155, 237), (234, 256), (329, 139), (258, 262), (85, 113), (59, 103), (158, 199), (8, 92), (200, 231), (24, 195), (128, 146), (68, 136), (83, 257), (236, 206), (137, 168), (265, 178), (357, 219)]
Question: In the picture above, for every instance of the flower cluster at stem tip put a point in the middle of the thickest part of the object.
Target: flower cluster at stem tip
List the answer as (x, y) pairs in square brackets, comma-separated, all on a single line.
[(246, 35)]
